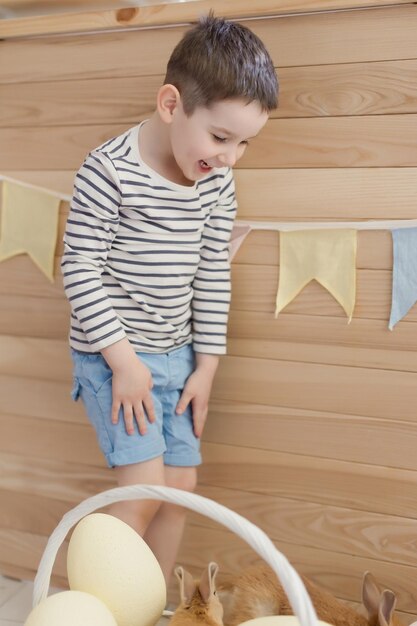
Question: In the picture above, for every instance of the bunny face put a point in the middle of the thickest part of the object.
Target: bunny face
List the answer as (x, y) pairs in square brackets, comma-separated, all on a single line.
[(200, 605)]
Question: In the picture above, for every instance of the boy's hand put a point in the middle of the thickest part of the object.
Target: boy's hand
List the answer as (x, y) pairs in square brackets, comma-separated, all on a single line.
[(131, 389), (197, 390), (131, 386)]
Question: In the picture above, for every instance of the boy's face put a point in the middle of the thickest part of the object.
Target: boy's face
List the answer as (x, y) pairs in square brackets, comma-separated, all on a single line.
[(213, 137)]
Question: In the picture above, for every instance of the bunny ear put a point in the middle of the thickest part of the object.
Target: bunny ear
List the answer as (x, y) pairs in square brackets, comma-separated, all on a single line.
[(207, 585), (371, 595), (187, 585), (379, 604), (386, 607)]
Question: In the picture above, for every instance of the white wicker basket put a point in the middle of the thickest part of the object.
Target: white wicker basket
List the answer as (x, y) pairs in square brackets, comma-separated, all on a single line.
[(254, 536)]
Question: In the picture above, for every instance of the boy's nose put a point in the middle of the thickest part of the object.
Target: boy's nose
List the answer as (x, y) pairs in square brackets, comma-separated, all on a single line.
[(228, 158)]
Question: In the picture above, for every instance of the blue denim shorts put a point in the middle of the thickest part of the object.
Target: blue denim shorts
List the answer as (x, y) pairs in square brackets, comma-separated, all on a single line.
[(171, 435)]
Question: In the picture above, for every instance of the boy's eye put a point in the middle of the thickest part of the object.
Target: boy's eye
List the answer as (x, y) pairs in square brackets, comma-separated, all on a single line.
[(224, 139), (220, 139)]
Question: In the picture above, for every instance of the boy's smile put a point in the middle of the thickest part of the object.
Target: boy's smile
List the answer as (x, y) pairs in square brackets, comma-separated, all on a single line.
[(213, 137)]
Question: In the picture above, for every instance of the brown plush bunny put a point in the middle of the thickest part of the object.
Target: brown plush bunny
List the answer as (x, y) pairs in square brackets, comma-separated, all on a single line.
[(256, 593), (200, 605)]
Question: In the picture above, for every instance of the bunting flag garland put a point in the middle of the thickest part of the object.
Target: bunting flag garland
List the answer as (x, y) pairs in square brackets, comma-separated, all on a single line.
[(322, 251), (327, 256), (29, 224), (362, 225), (404, 275)]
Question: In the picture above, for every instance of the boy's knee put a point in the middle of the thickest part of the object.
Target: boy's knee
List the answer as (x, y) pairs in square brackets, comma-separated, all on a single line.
[(136, 513), (184, 478), (145, 508), (189, 480)]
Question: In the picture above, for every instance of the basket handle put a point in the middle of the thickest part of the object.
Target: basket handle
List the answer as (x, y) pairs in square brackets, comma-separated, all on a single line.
[(293, 586)]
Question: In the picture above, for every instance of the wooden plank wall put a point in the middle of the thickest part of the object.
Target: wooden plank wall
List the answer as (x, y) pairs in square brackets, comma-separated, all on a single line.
[(312, 424)]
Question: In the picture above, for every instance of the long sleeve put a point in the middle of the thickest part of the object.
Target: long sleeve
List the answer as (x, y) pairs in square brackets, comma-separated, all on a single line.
[(92, 224), (212, 290)]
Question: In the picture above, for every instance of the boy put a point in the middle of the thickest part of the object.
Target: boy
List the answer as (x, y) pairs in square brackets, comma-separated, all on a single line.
[(146, 267)]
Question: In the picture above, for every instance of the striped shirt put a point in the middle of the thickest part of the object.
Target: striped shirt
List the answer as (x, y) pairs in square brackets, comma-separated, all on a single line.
[(146, 258)]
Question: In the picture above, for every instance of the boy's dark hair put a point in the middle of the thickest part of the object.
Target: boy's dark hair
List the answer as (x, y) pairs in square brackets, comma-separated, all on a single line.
[(218, 60)]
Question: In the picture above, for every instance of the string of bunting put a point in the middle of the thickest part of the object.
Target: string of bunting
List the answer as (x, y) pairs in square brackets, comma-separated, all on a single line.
[(321, 251)]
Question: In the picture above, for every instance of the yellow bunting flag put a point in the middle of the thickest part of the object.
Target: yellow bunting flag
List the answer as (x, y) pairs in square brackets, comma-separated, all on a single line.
[(328, 256), (29, 224)]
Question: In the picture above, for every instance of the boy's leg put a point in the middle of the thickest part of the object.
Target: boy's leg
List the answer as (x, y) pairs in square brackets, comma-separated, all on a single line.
[(181, 457), (139, 513), (165, 531), (160, 524), (136, 459)]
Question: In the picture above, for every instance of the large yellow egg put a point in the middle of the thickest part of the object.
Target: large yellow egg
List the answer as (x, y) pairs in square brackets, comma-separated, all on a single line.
[(277, 620), (70, 608), (108, 559)]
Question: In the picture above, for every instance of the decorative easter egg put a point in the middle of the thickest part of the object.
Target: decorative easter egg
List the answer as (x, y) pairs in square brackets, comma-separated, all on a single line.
[(69, 608), (108, 559), (277, 620)]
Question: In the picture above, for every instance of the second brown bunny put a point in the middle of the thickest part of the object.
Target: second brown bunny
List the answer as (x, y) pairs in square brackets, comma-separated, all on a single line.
[(256, 593)]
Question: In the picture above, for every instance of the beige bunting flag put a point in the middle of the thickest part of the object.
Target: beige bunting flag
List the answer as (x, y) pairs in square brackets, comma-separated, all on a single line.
[(29, 224), (328, 256)]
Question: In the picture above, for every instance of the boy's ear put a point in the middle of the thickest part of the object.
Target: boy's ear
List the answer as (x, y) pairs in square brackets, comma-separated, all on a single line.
[(167, 100)]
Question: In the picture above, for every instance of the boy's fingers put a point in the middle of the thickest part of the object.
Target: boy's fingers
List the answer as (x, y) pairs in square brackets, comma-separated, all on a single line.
[(149, 408), (198, 424), (197, 429), (128, 417), (183, 402), (115, 412), (140, 418), (199, 419)]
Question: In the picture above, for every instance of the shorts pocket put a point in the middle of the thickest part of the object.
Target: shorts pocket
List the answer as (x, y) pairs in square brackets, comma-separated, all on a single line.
[(98, 408), (95, 373), (75, 391), (104, 399)]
